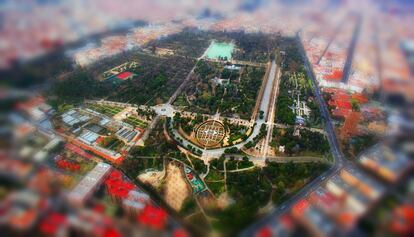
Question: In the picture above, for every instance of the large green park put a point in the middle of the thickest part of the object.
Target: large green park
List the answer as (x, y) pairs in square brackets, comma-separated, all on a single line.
[(235, 190)]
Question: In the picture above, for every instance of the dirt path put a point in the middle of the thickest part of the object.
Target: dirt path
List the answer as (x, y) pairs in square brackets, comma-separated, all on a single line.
[(238, 170), (225, 173)]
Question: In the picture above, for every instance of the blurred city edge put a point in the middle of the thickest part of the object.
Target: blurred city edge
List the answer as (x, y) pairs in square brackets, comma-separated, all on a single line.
[(206, 118)]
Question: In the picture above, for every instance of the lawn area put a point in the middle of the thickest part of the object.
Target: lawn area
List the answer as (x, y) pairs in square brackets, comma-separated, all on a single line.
[(215, 181), (216, 187), (214, 175), (112, 143), (136, 122), (104, 109)]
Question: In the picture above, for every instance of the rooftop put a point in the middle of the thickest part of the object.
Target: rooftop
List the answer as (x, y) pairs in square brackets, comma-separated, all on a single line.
[(84, 188)]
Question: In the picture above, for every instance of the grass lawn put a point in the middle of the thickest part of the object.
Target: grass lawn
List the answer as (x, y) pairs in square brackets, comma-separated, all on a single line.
[(107, 110), (136, 122), (214, 175), (112, 143), (216, 187)]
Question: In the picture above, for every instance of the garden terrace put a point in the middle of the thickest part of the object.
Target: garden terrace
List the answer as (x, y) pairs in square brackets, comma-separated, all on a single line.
[(105, 109), (111, 143), (135, 122)]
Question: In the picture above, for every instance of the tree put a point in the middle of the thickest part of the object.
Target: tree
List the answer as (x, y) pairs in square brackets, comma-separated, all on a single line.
[(261, 114), (249, 145), (232, 150), (281, 185), (355, 105)]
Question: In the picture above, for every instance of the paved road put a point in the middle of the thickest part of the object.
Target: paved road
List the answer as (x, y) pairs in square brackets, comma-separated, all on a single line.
[(267, 95), (332, 38), (282, 159), (181, 87), (275, 77), (339, 160), (331, 135), (351, 50)]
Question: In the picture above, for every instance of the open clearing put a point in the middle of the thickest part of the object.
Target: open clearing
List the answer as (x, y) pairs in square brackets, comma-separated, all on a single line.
[(176, 188)]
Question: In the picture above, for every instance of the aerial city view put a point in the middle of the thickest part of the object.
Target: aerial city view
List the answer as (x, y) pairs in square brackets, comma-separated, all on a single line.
[(251, 118)]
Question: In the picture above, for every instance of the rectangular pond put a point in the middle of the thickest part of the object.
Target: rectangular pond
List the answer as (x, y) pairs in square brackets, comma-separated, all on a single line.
[(219, 50)]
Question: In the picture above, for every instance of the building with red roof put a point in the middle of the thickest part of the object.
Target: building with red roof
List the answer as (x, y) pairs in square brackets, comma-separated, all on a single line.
[(111, 232), (343, 104), (336, 75), (347, 219), (62, 163), (35, 108), (322, 198), (52, 223), (109, 155), (117, 187), (78, 151), (341, 101), (153, 217), (339, 98), (341, 113), (264, 232), (350, 127), (180, 233), (20, 210), (360, 98), (31, 103), (402, 222), (282, 226), (300, 207)]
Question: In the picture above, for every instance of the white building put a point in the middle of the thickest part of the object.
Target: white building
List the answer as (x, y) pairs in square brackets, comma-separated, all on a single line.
[(89, 183)]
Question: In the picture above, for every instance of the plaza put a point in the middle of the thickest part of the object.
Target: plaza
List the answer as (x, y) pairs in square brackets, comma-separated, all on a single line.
[(210, 133)]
